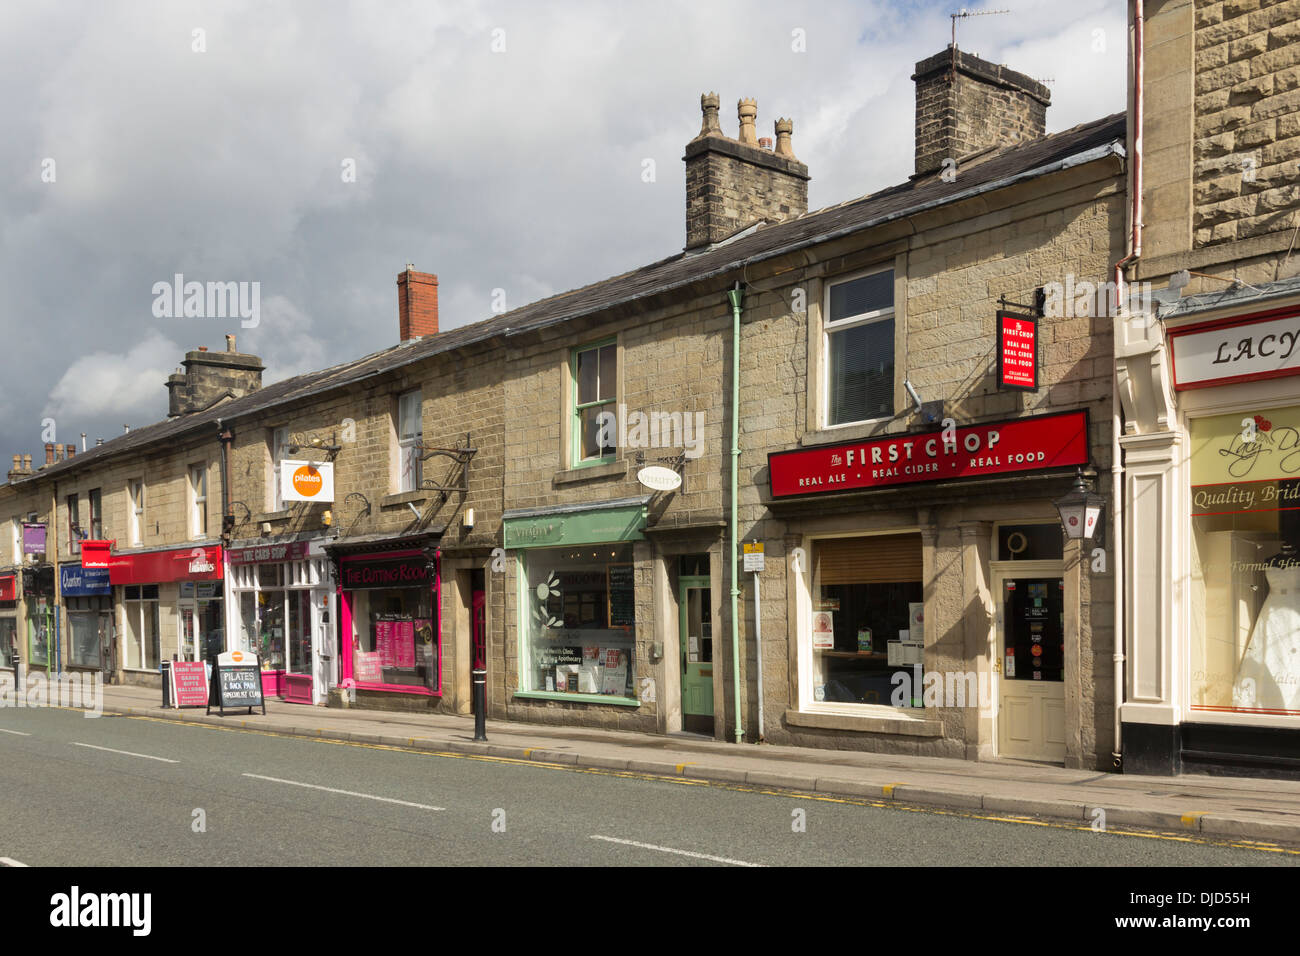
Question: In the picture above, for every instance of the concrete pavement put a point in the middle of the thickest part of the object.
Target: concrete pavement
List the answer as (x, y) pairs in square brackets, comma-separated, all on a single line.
[(1216, 808)]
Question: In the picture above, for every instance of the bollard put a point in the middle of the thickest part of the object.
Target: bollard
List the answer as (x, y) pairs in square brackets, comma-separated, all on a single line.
[(16, 683), (480, 703)]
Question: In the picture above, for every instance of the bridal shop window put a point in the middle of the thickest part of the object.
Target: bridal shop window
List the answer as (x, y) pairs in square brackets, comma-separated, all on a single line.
[(1245, 562)]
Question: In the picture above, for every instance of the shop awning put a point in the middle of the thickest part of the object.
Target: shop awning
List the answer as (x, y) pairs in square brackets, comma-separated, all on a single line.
[(622, 519)]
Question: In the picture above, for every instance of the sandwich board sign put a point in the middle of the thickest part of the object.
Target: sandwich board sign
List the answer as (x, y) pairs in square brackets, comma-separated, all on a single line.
[(189, 684), (236, 682)]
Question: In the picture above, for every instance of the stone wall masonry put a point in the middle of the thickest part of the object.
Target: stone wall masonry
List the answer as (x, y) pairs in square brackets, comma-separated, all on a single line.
[(1247, 122)]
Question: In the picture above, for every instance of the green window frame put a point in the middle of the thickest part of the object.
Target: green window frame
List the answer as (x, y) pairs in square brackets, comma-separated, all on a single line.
[(594, 371)]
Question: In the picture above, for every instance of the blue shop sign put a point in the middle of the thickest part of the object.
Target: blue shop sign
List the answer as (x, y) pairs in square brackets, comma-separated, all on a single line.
[(76, 581)]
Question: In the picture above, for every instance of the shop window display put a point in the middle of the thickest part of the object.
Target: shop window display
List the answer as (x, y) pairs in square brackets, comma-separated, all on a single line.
[(1245, 573), (867, 620), (393, 640), (579, 621)]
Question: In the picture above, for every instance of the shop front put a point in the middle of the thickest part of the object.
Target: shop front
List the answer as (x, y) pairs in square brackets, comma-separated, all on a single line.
[(576, 610), (169, 607), (280, 597), (88, 605), (9, 591), (935, 607), (1219, 692), (38, 595), (390, 620)]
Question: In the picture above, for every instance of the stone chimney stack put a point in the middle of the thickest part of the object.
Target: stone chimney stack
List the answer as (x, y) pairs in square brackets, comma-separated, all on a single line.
[(965, 104), (210, 376), (417, 303), (733, 183)]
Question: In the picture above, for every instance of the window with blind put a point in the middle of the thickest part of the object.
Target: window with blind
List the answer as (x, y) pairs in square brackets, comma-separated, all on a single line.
[(866, 593), (859, 333)]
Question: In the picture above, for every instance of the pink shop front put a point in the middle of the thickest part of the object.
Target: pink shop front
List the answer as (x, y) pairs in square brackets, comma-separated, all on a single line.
[(389, 618)]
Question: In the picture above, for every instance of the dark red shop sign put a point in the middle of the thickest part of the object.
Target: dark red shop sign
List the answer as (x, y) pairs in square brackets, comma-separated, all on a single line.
[(1017, 352), (157, 567), (95, 554), (269, 553), (8, 588), (405, 572), (1018, 445)]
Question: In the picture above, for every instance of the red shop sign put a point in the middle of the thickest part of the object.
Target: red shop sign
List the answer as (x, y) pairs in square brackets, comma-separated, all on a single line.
[(274, 553), (95, 554), (1017, 352), (156, 567), (1018, 445), (8, 588)]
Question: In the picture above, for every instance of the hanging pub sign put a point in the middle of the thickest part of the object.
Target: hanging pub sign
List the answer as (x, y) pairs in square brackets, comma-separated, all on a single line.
[(306, 481), (1246, 348), (1037, 443), (95, 554), (1017, 352), (33, 538)]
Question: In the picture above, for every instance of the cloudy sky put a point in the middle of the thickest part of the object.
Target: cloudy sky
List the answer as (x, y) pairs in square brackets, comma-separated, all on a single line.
[(501, 145)]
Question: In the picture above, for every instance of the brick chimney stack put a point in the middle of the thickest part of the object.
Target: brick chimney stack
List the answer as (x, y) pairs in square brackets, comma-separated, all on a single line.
[(965, 104), (733, 183), (417, 303)]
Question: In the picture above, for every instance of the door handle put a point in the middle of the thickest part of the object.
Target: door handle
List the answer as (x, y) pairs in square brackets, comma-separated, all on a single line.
[(997, 664)]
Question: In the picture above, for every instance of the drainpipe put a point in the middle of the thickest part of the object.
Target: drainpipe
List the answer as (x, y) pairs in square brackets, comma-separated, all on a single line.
[(734, 297), (1117, 467), (226, 437)]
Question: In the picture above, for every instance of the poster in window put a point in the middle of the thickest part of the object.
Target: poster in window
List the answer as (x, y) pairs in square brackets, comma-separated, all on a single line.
[(615, 678), (404, 644), (367, 665), (621, 592), (823, 630), (384, 643)]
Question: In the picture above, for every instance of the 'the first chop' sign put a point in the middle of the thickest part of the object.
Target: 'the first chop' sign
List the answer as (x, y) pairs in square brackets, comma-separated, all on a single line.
[(1018, 445)]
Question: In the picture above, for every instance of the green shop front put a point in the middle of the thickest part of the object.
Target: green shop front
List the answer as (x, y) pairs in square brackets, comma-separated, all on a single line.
[(582, 575)]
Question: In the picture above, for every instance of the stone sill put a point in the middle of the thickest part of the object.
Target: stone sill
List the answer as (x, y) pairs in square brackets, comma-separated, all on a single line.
[(402, 497), (614, 469), (577, 698), (904, 726)]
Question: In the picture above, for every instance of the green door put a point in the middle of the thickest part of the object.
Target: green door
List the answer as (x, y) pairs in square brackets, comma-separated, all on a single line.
[(696, 638)]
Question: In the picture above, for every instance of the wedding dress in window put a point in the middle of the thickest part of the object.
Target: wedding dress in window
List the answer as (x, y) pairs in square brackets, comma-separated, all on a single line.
[(1269, 674)]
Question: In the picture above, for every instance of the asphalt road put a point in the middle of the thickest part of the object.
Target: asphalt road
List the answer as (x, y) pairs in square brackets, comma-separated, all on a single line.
[(127, 791)]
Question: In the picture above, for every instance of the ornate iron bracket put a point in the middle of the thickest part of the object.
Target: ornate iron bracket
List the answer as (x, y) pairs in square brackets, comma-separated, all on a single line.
[(461, 457)]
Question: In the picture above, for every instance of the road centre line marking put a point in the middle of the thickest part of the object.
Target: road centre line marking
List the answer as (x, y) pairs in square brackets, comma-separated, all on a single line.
[(668, 849), (346, 793), (127, 753), (741, 788), (16, 733)]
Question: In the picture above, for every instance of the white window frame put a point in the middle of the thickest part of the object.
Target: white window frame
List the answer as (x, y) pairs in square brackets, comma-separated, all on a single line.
[(96, 519), (279, 451), (17, 539), (135, 510), (73, 505), (198, 501), (409, 445), (830, 328), (140, 606)]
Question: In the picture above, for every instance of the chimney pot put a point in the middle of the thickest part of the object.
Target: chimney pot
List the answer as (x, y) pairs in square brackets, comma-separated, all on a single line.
[(765, 142), (49, 453), (27, 462), (784, 130), (98, 442), (18, 462), (230, 342), (417, 304), (709, 105), (70, 450), (203, 348), (747, 110)]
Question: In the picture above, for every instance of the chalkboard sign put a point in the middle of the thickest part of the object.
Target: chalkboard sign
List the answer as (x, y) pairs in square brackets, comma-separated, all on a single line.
[(622, 596), (238, 685)]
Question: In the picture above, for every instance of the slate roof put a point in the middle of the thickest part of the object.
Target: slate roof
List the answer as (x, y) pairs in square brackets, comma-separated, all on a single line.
[(1080, 144)]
